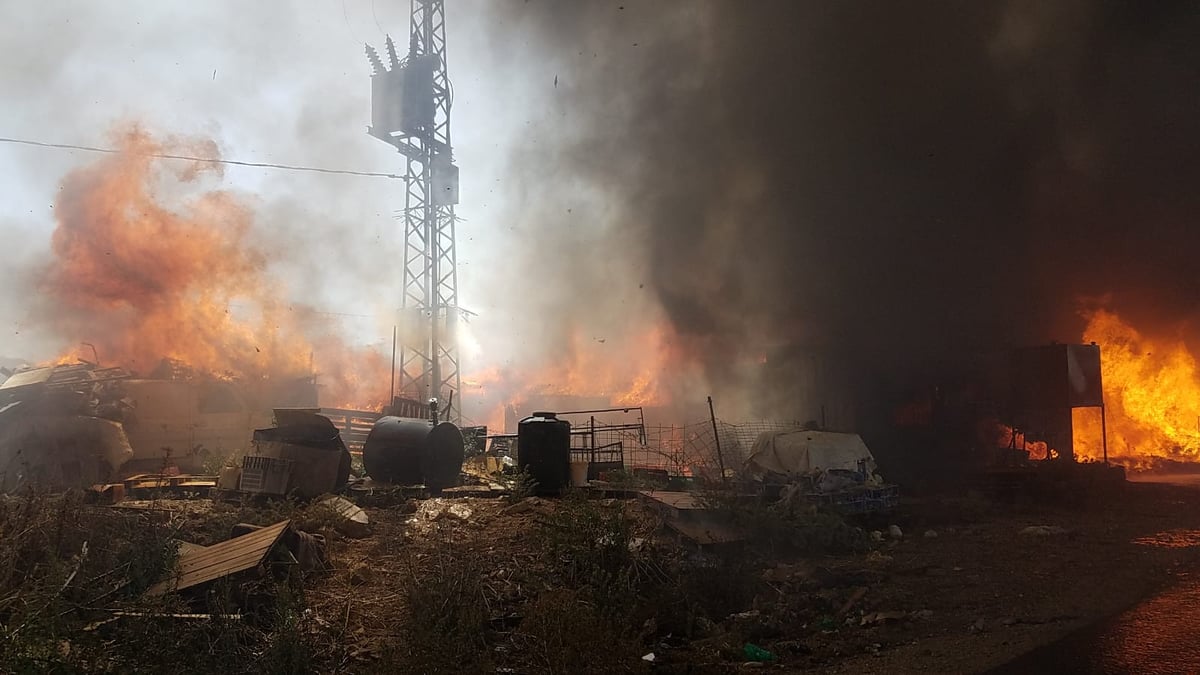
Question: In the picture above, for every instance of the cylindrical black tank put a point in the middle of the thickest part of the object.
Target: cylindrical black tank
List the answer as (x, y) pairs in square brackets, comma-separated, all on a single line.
[(410, 451), (544, 451)]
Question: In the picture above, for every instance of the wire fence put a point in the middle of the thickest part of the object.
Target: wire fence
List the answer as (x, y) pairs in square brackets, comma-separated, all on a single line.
[(688, 449)]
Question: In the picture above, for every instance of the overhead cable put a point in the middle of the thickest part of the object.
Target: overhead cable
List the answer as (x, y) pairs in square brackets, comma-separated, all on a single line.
[(159, 155)]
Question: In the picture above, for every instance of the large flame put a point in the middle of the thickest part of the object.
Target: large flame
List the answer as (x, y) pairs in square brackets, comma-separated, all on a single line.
[(620, 371), (1151, 393), (147, 266)]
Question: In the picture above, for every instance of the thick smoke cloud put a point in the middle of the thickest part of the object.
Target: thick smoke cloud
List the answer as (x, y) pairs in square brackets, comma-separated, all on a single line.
[(905, 184)]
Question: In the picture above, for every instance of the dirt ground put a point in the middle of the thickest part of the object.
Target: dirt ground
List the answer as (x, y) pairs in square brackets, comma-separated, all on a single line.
[(966, 588), (994, 593)]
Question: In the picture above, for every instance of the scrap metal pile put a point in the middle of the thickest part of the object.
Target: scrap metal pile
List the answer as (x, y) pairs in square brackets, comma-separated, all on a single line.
[(77, 425)]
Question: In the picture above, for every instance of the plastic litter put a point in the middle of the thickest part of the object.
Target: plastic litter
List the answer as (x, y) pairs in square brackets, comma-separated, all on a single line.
[(755, 653)]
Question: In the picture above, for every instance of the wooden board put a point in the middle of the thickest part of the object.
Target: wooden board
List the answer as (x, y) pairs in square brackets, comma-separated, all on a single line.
[(187, 548), (220, 560), (683, 501)]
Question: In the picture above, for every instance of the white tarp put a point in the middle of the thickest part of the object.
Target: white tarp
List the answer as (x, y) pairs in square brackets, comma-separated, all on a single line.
[(800, 452)]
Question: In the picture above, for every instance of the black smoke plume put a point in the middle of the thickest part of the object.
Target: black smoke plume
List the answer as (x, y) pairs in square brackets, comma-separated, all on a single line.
[(902, 184)]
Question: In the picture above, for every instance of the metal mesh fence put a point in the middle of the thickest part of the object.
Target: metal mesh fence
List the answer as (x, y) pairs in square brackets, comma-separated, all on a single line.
[(682, 449)]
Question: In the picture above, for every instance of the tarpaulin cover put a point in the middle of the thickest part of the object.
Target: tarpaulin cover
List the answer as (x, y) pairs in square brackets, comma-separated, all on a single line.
[(801, 452)]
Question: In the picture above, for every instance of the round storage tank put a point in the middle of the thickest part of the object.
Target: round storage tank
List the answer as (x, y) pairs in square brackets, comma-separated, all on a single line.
[(544, 451), (411, 451)]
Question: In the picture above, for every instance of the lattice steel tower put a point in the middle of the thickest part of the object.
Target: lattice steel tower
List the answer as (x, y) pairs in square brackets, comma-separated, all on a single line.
[(410, 110)]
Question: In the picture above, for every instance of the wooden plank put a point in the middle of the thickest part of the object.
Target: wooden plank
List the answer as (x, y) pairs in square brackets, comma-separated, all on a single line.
[(249, 542), (195, 562), (219, 560), (189, 567), (676, 500), (186, 547), (211, 569)]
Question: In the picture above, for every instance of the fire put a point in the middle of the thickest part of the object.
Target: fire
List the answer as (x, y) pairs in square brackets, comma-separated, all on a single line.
[(1152, 396), (148, 266), (1006, 437), (622, 371)]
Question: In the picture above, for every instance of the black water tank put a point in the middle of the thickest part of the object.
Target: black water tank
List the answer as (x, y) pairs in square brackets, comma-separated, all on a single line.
[(544, 451), (410, 451)]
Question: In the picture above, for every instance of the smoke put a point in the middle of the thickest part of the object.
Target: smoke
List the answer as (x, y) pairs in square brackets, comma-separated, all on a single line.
[(749, 199), (150, 262), (901, 184)]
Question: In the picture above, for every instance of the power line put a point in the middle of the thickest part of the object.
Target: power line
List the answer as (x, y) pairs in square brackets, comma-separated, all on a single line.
[(374, 16), (262, 165)]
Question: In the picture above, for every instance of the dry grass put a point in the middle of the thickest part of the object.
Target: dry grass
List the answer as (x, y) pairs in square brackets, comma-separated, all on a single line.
[(539, 586)]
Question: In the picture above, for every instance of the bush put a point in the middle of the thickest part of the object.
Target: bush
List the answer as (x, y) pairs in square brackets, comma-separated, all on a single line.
[(520, 485), (448, 608), (783, 528), (72, 583), (58, 560), (564, 632)]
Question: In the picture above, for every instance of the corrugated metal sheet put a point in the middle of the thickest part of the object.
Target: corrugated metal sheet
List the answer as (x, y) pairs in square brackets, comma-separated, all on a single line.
[(26, 378), (219, 560), (63, 376)]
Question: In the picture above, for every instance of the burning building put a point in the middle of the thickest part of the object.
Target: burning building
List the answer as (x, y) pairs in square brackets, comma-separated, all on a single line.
[(163, 282)]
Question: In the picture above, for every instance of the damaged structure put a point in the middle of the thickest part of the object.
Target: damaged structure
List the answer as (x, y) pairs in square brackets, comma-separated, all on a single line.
[(80, 424)]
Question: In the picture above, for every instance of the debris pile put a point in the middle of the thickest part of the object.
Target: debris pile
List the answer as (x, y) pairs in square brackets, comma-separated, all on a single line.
[(810, 467), (76, 425)]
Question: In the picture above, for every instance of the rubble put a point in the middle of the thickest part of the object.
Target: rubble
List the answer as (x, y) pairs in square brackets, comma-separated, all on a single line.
[(529, 504), (1042, 530), (437, 509), (349, 519), (76, 425), (882, 617)]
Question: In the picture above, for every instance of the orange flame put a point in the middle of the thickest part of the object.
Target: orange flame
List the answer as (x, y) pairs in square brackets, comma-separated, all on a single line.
[(1152, 396), (147, 267), (623, 371), (1006, 437)]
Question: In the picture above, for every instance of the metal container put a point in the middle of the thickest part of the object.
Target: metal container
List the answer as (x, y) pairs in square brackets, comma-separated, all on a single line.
[(411, 451), (544, 451)]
